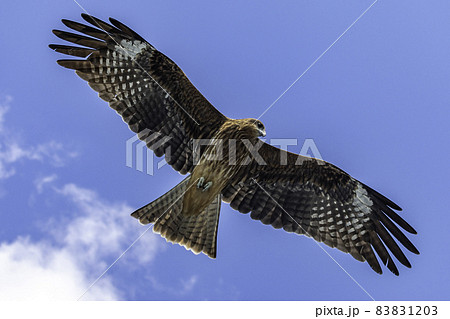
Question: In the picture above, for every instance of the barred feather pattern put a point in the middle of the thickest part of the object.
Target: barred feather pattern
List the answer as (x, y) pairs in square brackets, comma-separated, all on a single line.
[(316, 199), (147, 89), (197, 233), (158, 102)]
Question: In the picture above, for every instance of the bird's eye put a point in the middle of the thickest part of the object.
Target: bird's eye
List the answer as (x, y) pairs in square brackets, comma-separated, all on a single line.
[(260, 125)]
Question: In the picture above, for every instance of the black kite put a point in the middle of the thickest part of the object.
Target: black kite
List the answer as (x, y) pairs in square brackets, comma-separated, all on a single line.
[(297, 193)]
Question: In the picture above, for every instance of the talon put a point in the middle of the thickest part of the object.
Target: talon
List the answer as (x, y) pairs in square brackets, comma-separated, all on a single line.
[(200, 182), (207, 185)]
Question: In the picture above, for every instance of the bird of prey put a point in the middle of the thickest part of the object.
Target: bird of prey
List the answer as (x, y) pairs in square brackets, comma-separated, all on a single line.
[(297, 193)]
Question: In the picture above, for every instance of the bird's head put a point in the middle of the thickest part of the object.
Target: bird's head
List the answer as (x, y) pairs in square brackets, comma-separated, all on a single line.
[(254, 127)]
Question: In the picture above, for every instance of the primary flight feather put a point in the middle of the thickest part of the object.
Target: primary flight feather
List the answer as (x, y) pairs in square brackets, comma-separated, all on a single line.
[(297, 193)]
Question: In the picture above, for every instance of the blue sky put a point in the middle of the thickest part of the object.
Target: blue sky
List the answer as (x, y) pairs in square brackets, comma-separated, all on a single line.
[(376, 105)]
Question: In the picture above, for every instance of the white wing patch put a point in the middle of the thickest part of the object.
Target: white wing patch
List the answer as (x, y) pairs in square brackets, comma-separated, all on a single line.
[(130, 48), (361, 201)]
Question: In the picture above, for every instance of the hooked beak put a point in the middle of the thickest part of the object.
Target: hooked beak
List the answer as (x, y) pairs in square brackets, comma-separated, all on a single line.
[(262, 133)]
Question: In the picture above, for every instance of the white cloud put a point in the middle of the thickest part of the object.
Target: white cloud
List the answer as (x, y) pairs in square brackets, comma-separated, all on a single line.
[(75, 250), (105, 228), (4, 107), (39, 271), (13, 151), (185, 286), (65, 264), (41, 182), (189, 284)]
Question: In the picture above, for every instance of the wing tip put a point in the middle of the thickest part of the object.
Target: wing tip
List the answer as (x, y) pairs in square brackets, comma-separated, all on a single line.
[(86, 16), (67, 63), (90, 19), (57, 32), (66, 22), (124, 28), (115, 22), (393, 205), (63, 63)]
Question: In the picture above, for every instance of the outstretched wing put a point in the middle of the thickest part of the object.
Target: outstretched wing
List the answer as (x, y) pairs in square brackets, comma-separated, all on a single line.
[(150, 92), (317, 199)]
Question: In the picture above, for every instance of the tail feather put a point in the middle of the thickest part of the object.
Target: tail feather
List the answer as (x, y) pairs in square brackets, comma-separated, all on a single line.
[(196, 232)]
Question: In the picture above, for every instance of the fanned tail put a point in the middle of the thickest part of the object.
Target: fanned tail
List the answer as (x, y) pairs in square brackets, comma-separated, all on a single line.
[(196, 232)]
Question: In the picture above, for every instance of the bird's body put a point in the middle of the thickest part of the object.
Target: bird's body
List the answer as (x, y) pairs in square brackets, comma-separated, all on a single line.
[(220, 162), (225, 159)]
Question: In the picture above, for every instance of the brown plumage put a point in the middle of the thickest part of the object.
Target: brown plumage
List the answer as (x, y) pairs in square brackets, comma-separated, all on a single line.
[(299, 194)]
